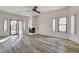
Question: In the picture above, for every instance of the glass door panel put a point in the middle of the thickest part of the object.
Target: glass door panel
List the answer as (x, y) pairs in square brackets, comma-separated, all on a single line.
[(13, 27)]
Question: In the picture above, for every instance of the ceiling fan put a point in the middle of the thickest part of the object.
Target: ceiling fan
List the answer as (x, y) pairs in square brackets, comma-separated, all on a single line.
[(35, 9)]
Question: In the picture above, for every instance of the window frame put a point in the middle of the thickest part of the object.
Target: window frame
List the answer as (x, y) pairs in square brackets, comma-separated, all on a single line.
[(62, 24)]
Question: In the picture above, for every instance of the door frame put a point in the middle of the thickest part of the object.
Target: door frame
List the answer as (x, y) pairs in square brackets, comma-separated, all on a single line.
[(16, 27)]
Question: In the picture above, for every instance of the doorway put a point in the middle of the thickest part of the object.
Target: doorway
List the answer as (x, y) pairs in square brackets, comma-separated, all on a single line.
[(13, 27)]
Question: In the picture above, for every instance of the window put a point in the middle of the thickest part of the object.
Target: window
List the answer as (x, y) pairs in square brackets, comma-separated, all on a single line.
[(53, 25), (20, 27), (62, 24), (73, 24), (5, 25)]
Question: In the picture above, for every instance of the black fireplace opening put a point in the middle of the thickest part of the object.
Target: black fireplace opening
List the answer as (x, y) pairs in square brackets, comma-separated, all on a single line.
[(32, 30)]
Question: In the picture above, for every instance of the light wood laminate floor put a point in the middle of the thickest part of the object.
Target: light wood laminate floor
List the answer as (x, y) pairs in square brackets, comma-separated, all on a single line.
[(37, 44)]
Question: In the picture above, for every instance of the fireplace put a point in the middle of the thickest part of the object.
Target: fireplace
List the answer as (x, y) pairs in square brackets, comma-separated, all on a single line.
[(32, 30)]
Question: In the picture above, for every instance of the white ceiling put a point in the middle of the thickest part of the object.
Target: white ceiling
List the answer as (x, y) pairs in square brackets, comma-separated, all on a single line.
[(27, 10)]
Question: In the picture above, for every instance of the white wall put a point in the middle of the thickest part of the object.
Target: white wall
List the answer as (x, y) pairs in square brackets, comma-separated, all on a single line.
[(72, 11), (34, 23), (45, 23), (1, 27), (26, 26)]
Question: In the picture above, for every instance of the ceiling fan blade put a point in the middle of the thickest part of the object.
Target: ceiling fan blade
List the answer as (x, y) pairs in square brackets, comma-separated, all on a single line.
[(35, 9)]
